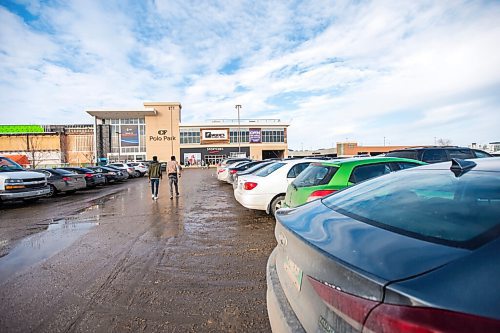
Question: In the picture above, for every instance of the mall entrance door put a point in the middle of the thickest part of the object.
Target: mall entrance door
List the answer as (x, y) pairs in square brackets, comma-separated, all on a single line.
[(213, 159), (272, 154)]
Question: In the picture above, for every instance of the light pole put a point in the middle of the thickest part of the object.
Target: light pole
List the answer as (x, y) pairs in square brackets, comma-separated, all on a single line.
[(237, 106), (119, 146)]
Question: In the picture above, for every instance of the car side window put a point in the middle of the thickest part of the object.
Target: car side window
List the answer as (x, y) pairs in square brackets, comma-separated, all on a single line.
[(297, 169), (434, 156), (364, 172), (404, 165), (481, 154), (460, 153)]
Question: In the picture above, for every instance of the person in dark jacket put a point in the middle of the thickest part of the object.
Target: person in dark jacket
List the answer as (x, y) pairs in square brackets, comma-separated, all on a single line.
[(154, 176)]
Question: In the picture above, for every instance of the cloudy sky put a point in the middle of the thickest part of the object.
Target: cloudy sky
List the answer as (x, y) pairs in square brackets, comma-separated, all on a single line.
[(409, 71)]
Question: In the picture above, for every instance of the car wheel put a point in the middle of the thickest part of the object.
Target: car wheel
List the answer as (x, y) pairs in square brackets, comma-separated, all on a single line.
[(277, 203), (53, 191)]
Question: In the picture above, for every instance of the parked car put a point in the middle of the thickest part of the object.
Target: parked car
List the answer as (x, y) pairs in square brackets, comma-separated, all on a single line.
[(18, 184), (249, 171), (92, 178), (63, 181), (125, 168), (266, 188), (229, 161), (223, 172), (235, 168), (111, 175), (140, 167), (415, 250), (120, 172), (323, 178), (438, 154)]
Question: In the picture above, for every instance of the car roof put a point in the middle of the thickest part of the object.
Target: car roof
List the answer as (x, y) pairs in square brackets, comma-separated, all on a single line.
[(369, 160), (489, 164)]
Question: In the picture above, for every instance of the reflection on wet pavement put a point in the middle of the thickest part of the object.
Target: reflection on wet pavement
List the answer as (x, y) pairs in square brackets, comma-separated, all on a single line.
[(57, 236)]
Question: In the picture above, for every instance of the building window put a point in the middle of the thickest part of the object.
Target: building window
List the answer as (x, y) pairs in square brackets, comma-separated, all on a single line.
[(233, 135), (273, 135), (189, 135)]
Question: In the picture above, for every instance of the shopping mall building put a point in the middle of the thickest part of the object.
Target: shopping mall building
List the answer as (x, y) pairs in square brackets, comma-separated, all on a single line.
[(156, 130)]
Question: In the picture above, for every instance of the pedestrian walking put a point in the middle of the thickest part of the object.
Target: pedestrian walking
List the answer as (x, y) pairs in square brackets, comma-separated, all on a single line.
[(174, 173), (154, 176)]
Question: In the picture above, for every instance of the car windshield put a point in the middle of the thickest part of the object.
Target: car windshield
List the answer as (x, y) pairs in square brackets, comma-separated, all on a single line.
[(314, 175), (432, 205), (6, 165), (267, 170)]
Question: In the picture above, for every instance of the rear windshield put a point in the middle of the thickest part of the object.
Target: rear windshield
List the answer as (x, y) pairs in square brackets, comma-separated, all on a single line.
[(257, 167), (64, 172), (314, 175), (432, 205), (411, 154), (267, 170)]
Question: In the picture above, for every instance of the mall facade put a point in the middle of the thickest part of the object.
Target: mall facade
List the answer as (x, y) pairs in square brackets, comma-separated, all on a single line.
[(156, 130)]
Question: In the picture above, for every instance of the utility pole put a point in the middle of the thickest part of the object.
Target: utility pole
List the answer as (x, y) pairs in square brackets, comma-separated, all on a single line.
[(119, 147), (238, 106)]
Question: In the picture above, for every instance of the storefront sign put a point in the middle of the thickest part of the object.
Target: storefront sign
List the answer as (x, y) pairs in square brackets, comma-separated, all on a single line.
[(212, 150), (129, 136), (214, 135), (162, 136), (255, 136)]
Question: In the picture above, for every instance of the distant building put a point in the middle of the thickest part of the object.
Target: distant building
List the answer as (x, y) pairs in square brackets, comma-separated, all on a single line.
[(156, 130)]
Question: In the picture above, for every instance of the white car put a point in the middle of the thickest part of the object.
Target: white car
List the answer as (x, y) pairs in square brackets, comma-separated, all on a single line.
[(223, 169), (266, 188), (140, 167), (126, 169)]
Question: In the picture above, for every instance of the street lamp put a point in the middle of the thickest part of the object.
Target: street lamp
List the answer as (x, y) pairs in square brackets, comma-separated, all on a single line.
[(119, 146), (237, 106)]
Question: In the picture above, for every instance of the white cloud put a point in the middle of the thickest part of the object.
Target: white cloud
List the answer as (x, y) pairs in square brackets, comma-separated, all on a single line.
[(404, 70)]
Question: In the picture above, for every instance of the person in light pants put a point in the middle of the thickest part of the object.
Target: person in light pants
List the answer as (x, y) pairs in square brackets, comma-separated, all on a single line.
[(174, 173)]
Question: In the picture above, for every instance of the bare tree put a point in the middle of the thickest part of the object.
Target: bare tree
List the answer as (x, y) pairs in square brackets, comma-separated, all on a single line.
[(444, 142), (35, 150)]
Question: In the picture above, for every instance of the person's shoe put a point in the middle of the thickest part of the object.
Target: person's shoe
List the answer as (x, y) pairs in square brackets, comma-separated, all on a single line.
[(171, 197), (152, 196), (156, 198), (177, 194)]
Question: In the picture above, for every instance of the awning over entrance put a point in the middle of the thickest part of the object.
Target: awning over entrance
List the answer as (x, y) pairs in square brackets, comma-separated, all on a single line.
[(122, 113)]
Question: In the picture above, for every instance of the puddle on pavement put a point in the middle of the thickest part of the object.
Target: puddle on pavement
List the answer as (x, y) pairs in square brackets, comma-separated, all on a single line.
[(38, 247)]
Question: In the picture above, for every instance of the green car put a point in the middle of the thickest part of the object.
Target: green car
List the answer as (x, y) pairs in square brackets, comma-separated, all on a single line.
[(323, 178)]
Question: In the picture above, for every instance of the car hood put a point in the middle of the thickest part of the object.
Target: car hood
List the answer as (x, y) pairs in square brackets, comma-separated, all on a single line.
[(379, 252), (21, 174)]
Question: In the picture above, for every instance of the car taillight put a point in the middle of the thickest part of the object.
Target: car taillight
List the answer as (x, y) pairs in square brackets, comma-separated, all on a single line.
[(233, 171), (66, 179), (88, 175), (392, 318), (319, 194), (354, 309), (221, 170), (389, 318), (249, 186)]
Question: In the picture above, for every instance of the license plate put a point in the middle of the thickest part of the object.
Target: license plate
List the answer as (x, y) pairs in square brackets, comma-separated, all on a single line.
[(294, 273)]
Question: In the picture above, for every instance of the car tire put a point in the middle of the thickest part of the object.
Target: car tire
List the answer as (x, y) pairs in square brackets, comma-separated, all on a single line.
[(276, 204), (53, 191)]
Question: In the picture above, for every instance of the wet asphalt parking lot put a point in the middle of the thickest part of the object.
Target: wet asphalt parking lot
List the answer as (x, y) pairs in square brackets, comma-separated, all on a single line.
[(113, 260)]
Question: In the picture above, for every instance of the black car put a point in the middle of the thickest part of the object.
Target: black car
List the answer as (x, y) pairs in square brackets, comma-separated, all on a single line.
[(438, 154), (241, 167), (110, 175), (91, 177)]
